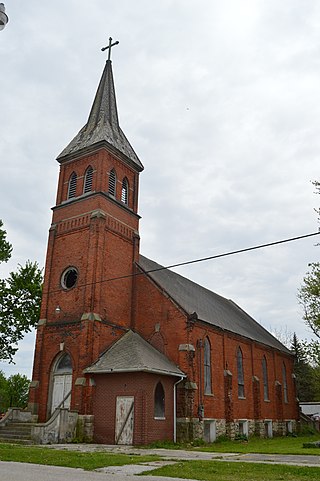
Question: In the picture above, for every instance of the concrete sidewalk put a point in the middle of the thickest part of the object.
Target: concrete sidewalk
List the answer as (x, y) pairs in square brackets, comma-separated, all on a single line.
[(178, 454), (12, 471)]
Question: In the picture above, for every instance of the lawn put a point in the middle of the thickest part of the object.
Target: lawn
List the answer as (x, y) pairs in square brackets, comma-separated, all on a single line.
[(224, 471), (202, 470), (276, 445), (70, 459)]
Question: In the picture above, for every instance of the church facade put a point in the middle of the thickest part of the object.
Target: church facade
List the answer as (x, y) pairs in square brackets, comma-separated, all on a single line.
[(141, 351)]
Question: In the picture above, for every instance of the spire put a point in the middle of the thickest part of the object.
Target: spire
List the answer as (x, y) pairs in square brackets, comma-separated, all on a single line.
[(102, 127)]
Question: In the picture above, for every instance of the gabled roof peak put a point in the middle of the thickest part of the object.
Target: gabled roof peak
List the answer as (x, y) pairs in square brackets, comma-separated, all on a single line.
[(132, 353), (103, 126)]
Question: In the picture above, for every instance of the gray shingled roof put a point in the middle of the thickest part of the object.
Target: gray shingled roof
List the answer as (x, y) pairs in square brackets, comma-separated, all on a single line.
[(209, 306), (132, 353), (103, 124)]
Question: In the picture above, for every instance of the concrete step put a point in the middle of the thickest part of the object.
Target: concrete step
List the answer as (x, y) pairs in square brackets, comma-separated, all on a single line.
[(16, 432), (16, 441)]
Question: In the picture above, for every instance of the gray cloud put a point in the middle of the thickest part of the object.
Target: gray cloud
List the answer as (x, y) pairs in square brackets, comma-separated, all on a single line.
[(221, 102)]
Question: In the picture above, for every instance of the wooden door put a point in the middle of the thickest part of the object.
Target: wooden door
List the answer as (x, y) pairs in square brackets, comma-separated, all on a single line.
[(61, 387), (124, 420)]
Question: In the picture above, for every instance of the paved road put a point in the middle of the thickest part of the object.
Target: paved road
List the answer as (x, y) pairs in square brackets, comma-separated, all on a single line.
[(35, 472)]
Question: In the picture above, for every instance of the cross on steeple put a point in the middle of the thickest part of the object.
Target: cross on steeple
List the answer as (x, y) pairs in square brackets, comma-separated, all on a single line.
[(109, 47)]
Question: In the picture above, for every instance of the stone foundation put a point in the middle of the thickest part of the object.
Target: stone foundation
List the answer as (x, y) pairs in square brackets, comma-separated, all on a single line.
[(84, 429), (191, 429)]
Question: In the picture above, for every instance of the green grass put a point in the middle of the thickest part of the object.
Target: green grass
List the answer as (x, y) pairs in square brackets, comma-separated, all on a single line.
[(276, 445), (224, 471), (202, 470), (70, 459)]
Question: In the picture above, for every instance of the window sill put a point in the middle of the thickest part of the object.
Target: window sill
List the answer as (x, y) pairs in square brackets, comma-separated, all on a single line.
[(209, 394), (267, 400), (159, 419), (242, 397)]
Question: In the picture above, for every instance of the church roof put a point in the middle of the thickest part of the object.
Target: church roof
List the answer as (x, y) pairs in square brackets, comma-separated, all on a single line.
[(102, 127), (132, 353), (208, 306)]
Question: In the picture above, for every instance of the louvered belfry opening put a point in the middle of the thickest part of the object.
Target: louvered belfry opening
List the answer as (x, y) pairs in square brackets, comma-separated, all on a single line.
[(88, 180), (72, 185), (112, 183), (124, 191)]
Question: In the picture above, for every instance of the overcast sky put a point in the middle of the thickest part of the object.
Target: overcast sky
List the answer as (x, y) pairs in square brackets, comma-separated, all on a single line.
[(221, 101)]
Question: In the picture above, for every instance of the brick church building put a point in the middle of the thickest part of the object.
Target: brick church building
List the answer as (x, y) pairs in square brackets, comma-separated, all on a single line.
[(142, 352)]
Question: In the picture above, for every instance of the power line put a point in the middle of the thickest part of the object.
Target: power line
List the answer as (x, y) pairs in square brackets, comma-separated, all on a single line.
[(217, 256), (201, 259)]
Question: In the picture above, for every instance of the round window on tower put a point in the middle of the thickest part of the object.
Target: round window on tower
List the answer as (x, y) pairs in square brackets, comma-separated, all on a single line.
[(69, 278)]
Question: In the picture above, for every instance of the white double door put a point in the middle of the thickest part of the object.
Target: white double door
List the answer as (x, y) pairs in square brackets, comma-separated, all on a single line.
[(61, 387)]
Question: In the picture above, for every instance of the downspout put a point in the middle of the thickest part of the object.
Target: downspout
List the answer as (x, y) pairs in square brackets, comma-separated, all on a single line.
[(175, 409)]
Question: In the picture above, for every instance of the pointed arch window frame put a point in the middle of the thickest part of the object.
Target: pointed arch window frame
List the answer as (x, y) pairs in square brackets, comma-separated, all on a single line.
[(112, 184), (207, 378), (159, 401), (88, 179), (265, 378), (72, 185), (240, 374), (63, 364), (125, 191)]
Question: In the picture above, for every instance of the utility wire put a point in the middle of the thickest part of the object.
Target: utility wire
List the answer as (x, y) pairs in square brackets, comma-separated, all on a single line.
[(217, 256), (202, 259)]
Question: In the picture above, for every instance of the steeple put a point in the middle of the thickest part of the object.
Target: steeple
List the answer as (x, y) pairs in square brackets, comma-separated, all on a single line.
[(102, 127)]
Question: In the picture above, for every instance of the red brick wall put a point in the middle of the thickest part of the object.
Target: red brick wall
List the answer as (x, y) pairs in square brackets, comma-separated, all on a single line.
[(102, 163), (104, 246), (154, 311), (142, 387), (101, 246), (83, 341)]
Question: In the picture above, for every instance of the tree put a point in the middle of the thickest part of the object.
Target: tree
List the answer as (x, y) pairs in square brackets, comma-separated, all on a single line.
[(20, 297), (309, 298), (306, 374), (18, 390), (309, 292), (317, 186), (3, 393), (5, 246), (308, 352), (13, 391)]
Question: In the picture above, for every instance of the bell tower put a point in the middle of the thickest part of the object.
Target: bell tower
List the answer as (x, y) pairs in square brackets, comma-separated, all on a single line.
[(93, 244)]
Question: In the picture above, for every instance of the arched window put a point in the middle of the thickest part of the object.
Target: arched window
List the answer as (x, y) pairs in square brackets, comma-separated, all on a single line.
[(207, 366), (265, 379), (87, 187), (72, 187), (159, 401), (240, 373), (112, 183), (284, 383), (64, 365), (125, 191)]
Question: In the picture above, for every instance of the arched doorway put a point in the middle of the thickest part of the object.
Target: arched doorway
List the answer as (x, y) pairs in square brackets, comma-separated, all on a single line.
[(61, 383)]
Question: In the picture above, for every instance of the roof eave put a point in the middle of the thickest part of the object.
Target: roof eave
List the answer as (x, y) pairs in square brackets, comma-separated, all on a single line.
[(63, 158), (144, 369)]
